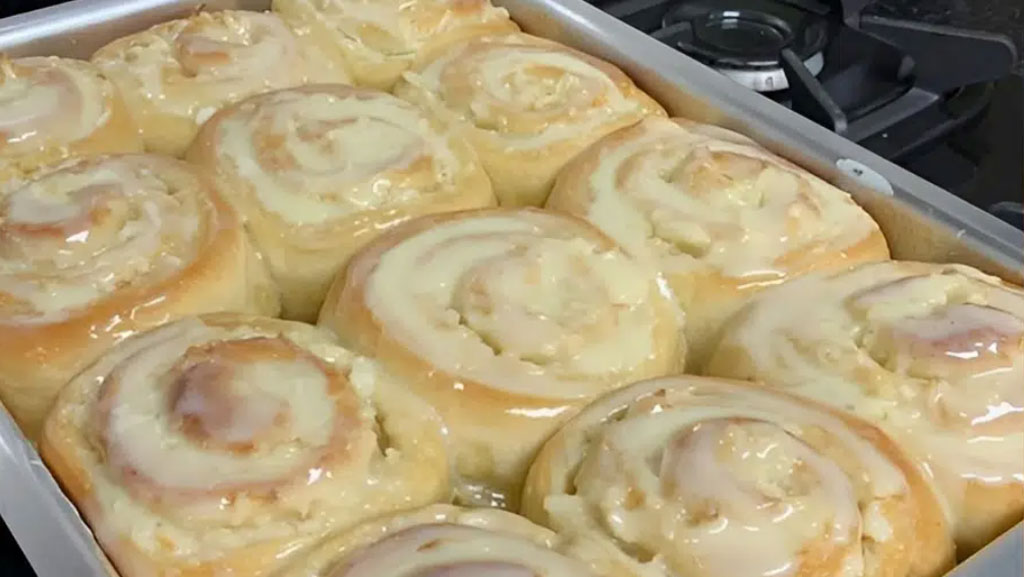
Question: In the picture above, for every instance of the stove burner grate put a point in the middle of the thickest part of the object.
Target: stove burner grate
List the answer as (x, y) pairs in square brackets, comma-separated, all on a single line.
[(862, 76), (745, 39)]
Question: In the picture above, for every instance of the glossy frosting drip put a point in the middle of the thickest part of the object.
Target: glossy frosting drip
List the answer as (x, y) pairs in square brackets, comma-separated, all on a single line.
[(310, 156), (79, 235), (724, 480), (520, 302), (48, 102), (526, 92), (192, 67), (229, 416), (208, 437), (696, 197), (450, 550), (933, 353), (398, 29)]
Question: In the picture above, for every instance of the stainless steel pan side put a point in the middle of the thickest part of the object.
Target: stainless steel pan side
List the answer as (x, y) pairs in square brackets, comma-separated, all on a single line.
[(921, 220), (77, 29), (1003, 557), (688, 88), (44, 523)]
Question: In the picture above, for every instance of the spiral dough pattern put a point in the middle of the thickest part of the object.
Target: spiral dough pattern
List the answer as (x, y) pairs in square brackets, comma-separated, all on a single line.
[(677, 473), (445, 541), (321, 170), (55, 108), (527, 106), (225, 443), (101, 249), (721, 216), (933, 354), (508, 321), (176, 75), (378, 40)]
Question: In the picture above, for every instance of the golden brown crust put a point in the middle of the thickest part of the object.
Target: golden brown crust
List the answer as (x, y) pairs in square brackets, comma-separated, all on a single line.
[(76, 112), (391, 453), (913, 348), (329, 168), (378, 41), (175, 75), (669, 174), (661, 416), (527, 105), (40, 353), (497, 418), (454, 538)]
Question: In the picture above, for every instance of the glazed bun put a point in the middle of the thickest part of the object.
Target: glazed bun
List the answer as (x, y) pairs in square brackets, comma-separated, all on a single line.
[(933, 354), (527, 105), (721, 217)]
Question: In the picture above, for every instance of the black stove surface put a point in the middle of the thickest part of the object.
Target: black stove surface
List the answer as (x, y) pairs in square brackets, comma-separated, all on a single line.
[(999, 16), (746, 34), (983, 163), (903, 80)]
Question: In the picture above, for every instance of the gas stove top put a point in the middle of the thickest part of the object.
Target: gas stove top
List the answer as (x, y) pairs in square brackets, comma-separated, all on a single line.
[(901, 88)]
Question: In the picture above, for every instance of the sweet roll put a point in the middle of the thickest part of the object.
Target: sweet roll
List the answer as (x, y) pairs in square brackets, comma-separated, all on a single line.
[(931, 353), (54, 108), (719, 215), (104, 248), (507, 321), (712, 478), (442, 540), (225, 444), (175, 75), (527, 105), (378, 40), (319, 171)]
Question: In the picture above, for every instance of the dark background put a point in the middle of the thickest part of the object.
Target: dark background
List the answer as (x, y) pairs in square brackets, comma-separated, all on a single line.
[(984, 164), (996, 145)]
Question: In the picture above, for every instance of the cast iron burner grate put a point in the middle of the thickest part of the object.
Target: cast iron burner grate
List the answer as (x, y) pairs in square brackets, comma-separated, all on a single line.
[(895, 86), (745, 39)]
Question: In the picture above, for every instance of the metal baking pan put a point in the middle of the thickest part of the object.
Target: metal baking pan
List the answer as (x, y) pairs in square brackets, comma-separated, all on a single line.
[(920, 220)]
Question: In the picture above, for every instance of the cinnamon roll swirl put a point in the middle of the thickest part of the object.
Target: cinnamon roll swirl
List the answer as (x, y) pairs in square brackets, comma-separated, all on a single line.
[(720, 216), (175, 75), (445, 541), (378, 40), (507, 321), (222, 445), (319, 171), (527, 105), (933, 354), (55, 108), (101, 249), (706, 477)]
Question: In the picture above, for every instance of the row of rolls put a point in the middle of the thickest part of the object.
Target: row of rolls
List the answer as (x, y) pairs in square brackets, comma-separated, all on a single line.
[(392, 288)]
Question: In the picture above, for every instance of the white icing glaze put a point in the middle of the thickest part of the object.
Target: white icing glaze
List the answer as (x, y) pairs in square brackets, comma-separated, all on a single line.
[(524, 93), (49, 101), (383, 30), (310, 157), (262, 391), (693, 198), (932, 353), (450, 550), (684, 476), (512, 302), (77, 236), (218, 437), (188, 67)]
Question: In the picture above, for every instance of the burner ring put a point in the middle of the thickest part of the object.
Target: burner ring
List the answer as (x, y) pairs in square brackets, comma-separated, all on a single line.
[(770, 79), (746, 35), (743, 32)]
